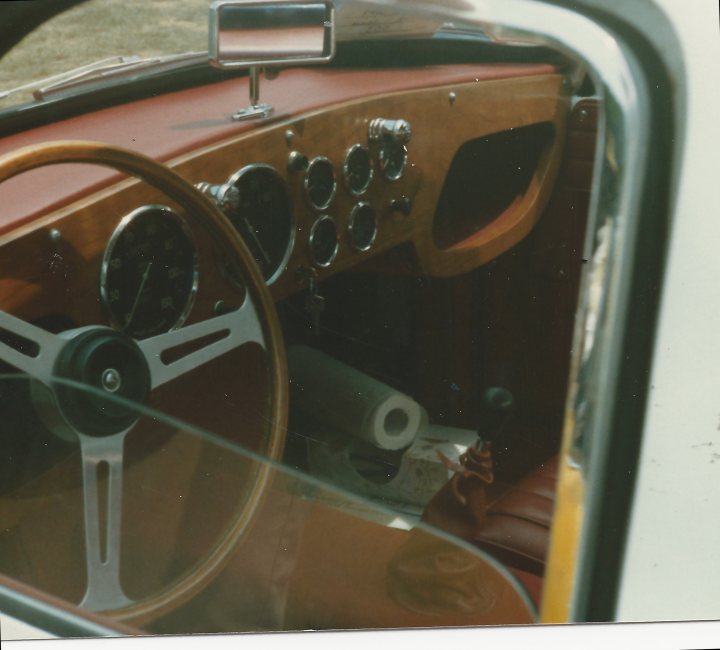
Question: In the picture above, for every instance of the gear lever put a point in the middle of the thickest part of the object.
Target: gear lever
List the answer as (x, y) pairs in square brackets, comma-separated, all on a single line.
[(496, 408), (459, 506)]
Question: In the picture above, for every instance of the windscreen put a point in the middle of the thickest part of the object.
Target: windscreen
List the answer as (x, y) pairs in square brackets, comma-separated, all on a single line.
[(169, 528)]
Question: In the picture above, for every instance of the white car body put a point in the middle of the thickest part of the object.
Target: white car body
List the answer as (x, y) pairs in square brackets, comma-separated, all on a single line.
[(671, 565)]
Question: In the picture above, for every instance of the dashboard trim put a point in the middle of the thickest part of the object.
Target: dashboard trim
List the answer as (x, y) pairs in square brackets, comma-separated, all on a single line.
[(526, 100), (178, 125)]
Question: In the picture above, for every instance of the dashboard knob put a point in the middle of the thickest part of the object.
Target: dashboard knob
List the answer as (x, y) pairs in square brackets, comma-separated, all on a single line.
[(226, 196), (297, 162), (403, 205), (398, 130)]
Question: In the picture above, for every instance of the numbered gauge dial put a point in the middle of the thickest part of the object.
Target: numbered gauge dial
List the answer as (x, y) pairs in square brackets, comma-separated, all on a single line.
[(263, 217), (357, 169), (363, 227), (392, 159), (323, 241), (149, 273), (320, 183)]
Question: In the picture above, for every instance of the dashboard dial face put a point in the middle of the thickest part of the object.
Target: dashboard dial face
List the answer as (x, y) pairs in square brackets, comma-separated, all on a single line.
[(363, 227), (320, 183), (263, 217), (392, 159), (323, 241), (357, 169), (149, 274)]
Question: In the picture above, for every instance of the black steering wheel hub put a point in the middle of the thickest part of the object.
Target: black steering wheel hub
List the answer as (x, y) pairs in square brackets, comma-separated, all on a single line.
[(114, 367)]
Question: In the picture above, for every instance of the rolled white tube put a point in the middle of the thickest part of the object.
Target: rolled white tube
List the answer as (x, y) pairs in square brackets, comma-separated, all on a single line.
[(350, 401)]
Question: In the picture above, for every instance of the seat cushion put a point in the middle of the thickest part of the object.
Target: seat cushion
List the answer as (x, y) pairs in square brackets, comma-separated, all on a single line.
[(517, 525)]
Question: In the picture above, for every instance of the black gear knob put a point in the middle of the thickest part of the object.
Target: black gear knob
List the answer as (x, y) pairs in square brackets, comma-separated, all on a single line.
[(496, 407)]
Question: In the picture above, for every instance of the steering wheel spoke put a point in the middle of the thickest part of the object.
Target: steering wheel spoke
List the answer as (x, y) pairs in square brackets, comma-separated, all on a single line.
[(207, 340), (102, 466), (28, 347), (120, 373)]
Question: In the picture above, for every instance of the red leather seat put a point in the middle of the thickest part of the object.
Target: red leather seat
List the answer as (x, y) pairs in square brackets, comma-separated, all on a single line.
[(517, 526)]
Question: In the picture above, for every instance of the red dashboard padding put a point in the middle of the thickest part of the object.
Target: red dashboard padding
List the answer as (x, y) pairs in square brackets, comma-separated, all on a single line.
[(517, 525), (176, 123)]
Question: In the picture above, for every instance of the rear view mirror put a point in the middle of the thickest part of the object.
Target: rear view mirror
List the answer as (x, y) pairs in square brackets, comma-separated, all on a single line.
[(250, 33)]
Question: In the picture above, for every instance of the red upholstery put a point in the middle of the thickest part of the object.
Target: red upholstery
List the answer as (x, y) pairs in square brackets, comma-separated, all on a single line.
[(517, 527)]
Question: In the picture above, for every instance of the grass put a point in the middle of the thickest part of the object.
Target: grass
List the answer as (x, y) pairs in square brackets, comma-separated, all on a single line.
[(99, 29)]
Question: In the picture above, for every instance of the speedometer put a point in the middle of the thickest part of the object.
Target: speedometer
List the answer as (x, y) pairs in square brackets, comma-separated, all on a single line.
[(263, 217), (149, 276)]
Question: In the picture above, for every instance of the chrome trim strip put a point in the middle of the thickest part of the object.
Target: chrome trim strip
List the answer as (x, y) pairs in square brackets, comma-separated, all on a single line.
[(49, 616)]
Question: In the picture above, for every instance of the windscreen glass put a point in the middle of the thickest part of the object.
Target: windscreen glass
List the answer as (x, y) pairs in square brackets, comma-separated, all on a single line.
[(175, 529)]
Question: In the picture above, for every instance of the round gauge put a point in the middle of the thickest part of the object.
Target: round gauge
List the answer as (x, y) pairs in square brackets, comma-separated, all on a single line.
[(320, 182), (357, 169), (363, 226), (392, 159), (323, 241), (263, 217), (149, 274)]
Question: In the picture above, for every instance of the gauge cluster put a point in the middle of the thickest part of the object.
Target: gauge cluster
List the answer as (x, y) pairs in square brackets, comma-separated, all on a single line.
[(312, 194), (313, 209), (331, 191), (327, 200), (336, 190), (351, 187), (386, 152)]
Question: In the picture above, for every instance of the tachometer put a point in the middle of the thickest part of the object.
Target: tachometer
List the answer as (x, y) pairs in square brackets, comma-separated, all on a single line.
[(149, 273), (263, 216)]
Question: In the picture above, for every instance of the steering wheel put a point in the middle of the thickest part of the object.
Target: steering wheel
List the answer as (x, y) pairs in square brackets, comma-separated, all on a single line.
[(111, 362)]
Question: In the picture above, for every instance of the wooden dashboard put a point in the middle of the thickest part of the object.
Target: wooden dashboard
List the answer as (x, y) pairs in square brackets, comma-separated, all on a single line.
[(481, 163)]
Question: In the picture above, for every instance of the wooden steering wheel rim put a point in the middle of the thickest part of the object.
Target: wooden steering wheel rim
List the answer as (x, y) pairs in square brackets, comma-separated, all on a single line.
[(208, 215)]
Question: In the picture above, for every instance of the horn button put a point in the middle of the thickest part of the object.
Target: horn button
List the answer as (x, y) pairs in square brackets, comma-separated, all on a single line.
[(113, 364)]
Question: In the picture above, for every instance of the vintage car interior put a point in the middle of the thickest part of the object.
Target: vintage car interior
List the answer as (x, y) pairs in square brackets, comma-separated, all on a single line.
[(212, 287)]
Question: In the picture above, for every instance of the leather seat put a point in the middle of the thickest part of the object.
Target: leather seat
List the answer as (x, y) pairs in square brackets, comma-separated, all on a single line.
[(517, 526)]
